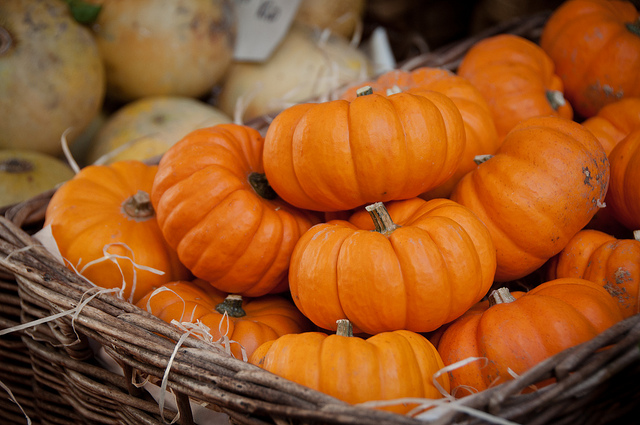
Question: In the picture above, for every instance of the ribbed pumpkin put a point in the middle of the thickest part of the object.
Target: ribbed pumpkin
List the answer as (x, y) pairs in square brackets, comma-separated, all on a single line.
[(480, 130), (615, 121), (595, 45), (413, 265), (386, 366), (623, 197), (216, 209), (543, 185), (249, 322), (517, 331), (517, 78), (605, 260), (339, 155), (104, 224)]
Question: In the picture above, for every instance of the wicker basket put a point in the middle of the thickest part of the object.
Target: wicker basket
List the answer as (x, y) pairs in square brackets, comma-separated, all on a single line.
[(101, 362)]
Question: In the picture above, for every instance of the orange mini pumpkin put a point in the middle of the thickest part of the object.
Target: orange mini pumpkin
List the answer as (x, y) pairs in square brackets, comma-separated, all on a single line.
[(480, 130), (603, 259), (247, 322), (615, 121), (216, 209), (516, 332), (413, 265), (517, 78), (623, 197), (543, 185), (339, 155), (595, 45), (386, 366), (106, 228)]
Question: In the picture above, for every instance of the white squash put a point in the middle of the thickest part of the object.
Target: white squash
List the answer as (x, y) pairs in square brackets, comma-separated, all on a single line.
[(51, 75), (304, 66), (147, 127), (164, 47), (25, 174)]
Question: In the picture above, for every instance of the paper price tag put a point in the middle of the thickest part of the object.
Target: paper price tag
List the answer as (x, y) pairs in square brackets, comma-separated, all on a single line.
[(261, 26)]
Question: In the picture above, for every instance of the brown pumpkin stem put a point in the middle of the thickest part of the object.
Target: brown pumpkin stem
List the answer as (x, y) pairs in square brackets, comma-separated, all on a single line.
[(500, 296), (15, 166), (381, 218), (232, 305), (363, 91), (479, 159), (394, 90), (5, 40), (634, 27), (138, 207), (556, 99), (260, 184), (344, 327)]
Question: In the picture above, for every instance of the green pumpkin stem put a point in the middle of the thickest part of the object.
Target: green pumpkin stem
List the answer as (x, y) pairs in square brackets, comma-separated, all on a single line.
[(381, 218), (232, 305), (500, 296), (138, 207), (556, 99), (344, 327), (260, 184), (634, 27), (363, 91), (479, 159)]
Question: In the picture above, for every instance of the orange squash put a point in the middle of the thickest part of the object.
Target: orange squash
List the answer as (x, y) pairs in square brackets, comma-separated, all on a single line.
[(247, 322), (623, 197), (543, 185), (340, 155), (413, 265), (603, 259), (517, 78), (106, 228), (595, 45), (480, 130), (615, 121), (386, 366), (518, 331), (216, 209)]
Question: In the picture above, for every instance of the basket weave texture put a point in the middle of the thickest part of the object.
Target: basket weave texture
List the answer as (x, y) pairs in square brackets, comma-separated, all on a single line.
[(54, 372)]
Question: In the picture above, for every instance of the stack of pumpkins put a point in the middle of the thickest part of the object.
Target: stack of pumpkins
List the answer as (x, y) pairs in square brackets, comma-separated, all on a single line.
[(399, 214)]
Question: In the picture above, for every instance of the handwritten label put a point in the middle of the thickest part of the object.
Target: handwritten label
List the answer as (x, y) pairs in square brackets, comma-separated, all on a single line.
[(261, 26)]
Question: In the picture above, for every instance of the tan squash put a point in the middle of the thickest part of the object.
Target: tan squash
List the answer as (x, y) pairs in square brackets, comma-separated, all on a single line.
[(147, 127), (51, 75), (25, 174), (302, 67)]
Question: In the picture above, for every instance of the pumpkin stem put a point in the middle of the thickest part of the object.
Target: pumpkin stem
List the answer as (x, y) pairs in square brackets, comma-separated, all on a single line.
[(344, 327), (363, 91), (83, 12), (636, 235), (381, 218), (500, 296), (15, 166), (634, 27), (556, 99), (260, 184), (138, 207), (394, 90), (232, 305), (5, 40), (479, 159)]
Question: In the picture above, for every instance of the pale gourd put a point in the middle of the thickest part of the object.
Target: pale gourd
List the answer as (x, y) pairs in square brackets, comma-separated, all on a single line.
[(51, 75), (164, 47), (304, 66), (147, 127), (25, 174)]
